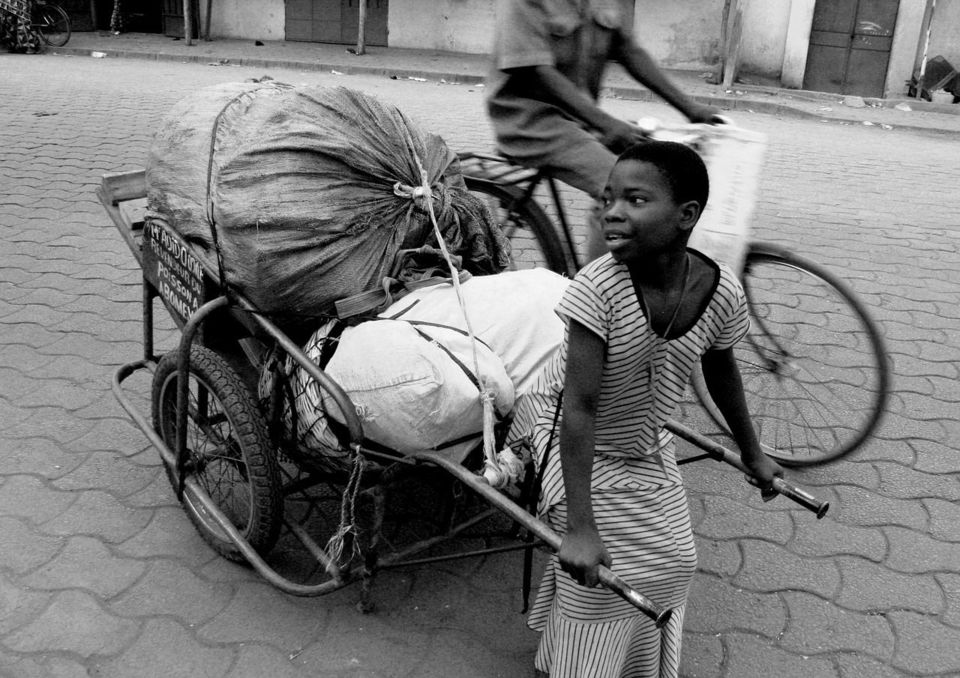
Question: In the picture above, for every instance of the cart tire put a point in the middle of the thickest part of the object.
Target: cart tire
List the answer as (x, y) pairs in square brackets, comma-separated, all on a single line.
[(244, 481)]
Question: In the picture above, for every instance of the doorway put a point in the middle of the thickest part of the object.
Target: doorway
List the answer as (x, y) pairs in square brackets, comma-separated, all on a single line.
[(850, 44), (336, 21)]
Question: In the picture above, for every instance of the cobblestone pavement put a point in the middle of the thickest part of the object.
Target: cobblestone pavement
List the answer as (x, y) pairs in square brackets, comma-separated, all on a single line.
[(101, 573)]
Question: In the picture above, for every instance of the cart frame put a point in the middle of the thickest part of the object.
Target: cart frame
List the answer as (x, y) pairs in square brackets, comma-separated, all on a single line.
[(123, 196)]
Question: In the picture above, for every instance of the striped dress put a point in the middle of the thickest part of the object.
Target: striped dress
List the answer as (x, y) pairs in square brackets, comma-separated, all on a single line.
[(638, 498)]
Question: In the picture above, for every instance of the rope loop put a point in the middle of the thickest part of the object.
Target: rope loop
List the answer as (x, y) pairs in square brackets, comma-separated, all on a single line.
[(424, 196)]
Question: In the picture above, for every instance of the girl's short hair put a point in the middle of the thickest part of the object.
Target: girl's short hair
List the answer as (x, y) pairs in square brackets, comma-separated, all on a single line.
[(680, 165)]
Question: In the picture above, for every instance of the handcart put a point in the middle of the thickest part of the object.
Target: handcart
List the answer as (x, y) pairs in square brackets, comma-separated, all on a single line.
[(245, 488)]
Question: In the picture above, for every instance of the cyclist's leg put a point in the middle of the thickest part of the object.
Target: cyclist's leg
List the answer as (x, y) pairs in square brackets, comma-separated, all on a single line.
[(571, 154), (586, 166)]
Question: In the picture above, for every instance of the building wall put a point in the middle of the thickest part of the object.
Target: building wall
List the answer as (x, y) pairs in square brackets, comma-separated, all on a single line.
[(765, 26), (686, 33), (903, 53), (248, 19), (680, 34), (945, 32), (449, 25)]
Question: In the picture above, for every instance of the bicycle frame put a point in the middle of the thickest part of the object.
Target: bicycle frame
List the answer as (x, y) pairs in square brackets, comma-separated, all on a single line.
[(502, 170)]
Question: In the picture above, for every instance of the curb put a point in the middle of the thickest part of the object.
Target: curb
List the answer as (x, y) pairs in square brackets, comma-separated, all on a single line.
[(255, 62), (623, 92)]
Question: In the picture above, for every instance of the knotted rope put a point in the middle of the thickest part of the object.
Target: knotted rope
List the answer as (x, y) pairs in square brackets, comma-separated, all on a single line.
[(498, 470), (348, 519)]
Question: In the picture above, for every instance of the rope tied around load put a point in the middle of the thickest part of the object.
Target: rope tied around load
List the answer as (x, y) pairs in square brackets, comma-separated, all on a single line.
[(499, 469)]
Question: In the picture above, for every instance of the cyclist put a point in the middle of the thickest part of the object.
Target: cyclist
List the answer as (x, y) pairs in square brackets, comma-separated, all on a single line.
[(549, 59), (15, 31)]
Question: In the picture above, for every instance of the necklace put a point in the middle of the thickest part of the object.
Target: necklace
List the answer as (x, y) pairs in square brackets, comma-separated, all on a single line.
[(676, 308)]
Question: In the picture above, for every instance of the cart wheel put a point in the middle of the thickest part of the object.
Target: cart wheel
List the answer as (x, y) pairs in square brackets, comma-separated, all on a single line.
[(229, 451)]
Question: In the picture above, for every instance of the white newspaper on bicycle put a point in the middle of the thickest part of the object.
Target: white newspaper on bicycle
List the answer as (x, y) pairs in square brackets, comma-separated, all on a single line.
[(734, 158)]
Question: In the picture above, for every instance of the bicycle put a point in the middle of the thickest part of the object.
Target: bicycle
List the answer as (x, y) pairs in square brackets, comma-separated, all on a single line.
[(51, 23), (814, 365)]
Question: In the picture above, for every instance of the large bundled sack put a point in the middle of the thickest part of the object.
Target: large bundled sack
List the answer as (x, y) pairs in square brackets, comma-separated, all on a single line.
[(299, 195)]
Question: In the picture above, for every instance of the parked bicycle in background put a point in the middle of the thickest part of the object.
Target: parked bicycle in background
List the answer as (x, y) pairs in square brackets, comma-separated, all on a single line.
[(51, 22), (26, 26)]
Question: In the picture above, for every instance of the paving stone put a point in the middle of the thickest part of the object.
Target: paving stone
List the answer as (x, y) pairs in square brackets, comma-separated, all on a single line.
[(73, 623), (944, 519), (726, 519), (169, 534), (751, 657), (846, 472), (21, 357), (769, 568), (714, 604), (220, 570), (916, 552), (827, 537), (878, 449), (170, 589), (43, 422), (701, 656), (164, 648), (43, 666), (77, 370), (856, 506), (262, 660), (455, 653), (935, 457), (718, 556), (18, 604), (158, 492), (24, 549), (872, 587), (33, 500), (39, 457), (815, 627), (359, 649), (854, 665), (86, 563), (110, 471), (259, 613), (950, 583), (99, 514), (925, 645)]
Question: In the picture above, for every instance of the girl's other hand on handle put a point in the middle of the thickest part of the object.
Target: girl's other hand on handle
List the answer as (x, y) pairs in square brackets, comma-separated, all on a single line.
[(581, 552)]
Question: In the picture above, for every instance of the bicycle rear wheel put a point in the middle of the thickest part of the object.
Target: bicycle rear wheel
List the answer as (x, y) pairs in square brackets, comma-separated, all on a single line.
[(533, 240), (52, 23), (814, 366)]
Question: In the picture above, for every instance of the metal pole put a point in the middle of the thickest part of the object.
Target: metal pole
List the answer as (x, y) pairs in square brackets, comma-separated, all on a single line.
[(918, 92), (206, 28), (187, 22), (362, 29)]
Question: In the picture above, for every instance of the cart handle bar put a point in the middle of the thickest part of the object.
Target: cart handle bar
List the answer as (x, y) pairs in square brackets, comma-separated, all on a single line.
[(721, 453), (608, 578)]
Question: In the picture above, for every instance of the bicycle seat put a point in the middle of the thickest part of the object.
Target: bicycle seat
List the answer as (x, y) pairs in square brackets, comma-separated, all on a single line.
[(495, 167)]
